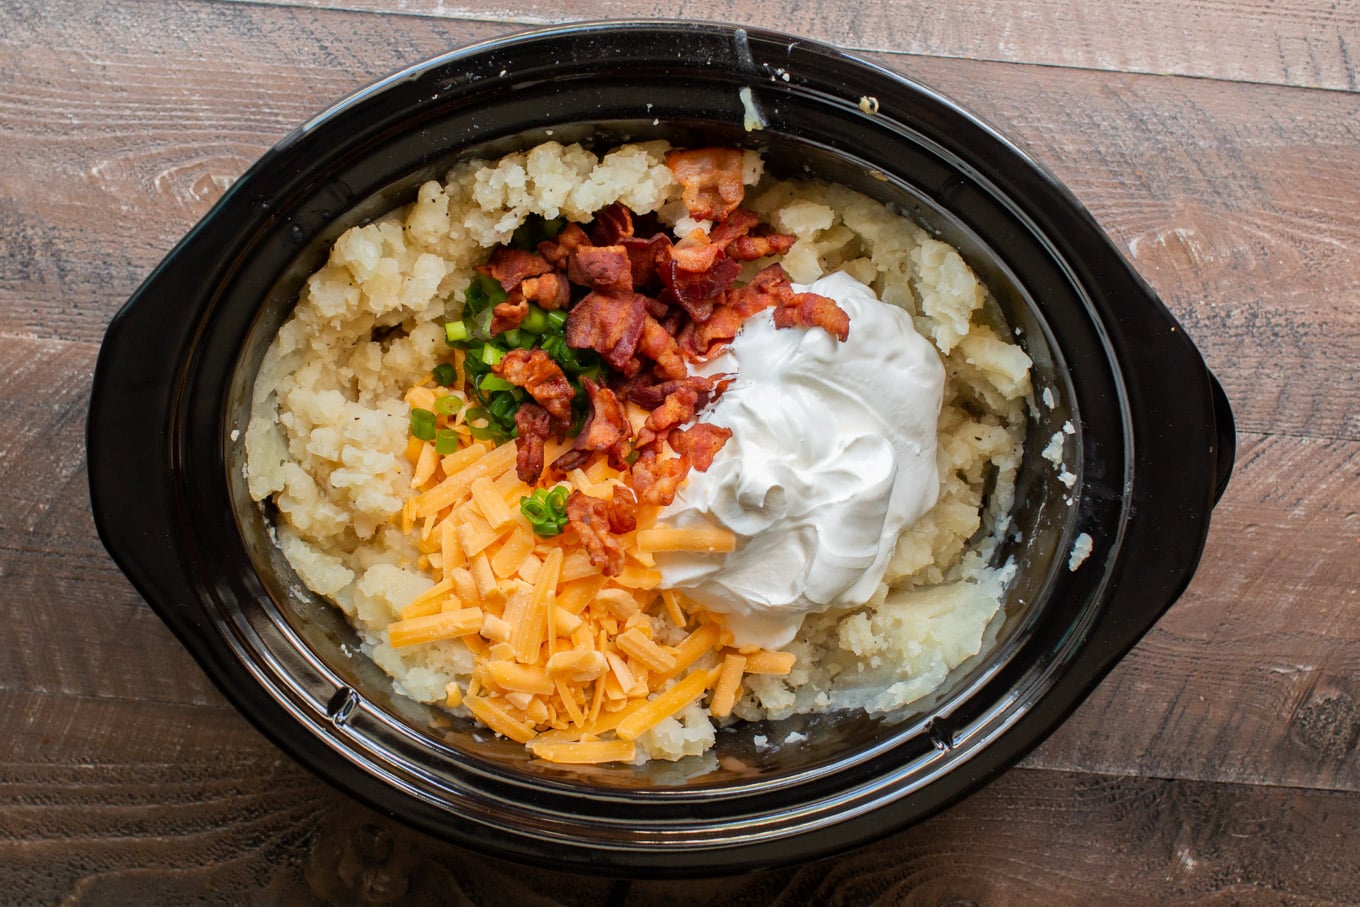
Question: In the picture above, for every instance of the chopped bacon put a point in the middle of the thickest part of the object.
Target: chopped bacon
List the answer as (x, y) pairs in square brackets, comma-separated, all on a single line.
[(696, 253), (533, 426), (650, 396), (590, 517), (735, 237), (749, 248), (657, 344), (679, 407), (623, 510), (509, 266), (811, 309), (612, 224), (700, 340), (737, 224), (549, 291), (695, 290), (601, 268), (557, 251), (508, 315), (699, 443), (606, 429), (711, 180), (770, 287), (656, 480), (537, 373), (570, 460), (609, 323), (644, 255)]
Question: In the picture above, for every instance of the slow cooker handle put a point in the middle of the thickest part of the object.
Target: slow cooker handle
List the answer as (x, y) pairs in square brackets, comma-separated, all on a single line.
[(1225, 451)]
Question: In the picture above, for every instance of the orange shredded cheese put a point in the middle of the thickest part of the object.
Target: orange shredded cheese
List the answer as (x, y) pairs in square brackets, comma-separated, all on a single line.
[(570, 662)]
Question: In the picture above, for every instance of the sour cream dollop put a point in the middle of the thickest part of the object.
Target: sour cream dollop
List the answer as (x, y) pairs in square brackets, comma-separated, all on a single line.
[(832, 455)]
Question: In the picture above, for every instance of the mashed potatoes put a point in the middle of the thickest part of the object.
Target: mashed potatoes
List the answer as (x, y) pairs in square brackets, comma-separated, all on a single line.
[(329, 426)]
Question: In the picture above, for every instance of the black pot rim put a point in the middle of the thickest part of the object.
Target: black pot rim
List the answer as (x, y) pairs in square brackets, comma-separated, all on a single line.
[(1149, 508)]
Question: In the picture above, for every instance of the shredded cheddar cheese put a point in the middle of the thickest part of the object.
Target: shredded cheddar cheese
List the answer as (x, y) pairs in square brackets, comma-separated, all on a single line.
[(567, 661)]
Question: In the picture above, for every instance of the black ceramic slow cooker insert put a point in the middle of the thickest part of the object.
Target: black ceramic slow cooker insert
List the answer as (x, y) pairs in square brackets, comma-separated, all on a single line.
[(1153, 447)]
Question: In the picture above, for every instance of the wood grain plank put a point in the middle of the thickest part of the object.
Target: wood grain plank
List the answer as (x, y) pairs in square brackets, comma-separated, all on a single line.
[(1254, 674), (1236, 202), (1306, 43), (229, 821)]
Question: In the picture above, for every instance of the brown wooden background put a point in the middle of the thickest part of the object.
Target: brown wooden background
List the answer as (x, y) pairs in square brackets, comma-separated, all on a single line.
[(1218, 143)]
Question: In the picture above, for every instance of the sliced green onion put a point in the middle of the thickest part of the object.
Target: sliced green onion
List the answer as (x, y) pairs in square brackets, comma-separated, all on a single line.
[(422, 423), (455, 331), (445, 441), (484, 293), (491, 355), (536, 322), (546, 510), (519, 339), (445, 374), (448, 404), (495, 383), (556, 319)]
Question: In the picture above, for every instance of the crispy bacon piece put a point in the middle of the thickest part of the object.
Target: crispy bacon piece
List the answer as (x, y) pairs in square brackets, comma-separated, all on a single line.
[(549, 291), (735, 236), (601, 268), (749, 248), (769, 287), (813, 310), (699, 443), (623, 510), (657, 344), (699, 340), (710, 179), (612, 224), (739, 223), (590, 517), (537, 373), (644, 255), (557, 251), (606, 429), (510, 266), (656, 480), (679, 407), (693, 276), (650, 396), (534, 425), (609, 323), (510, 314)]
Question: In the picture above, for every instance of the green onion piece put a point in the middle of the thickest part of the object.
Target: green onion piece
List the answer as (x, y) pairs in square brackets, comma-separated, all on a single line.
[(546, 510), (556, 319), (444, 374), (484, 293), (448, 405), (455, 331), (422, 423), (492, 354), (485, 433), (495, 383), (479, 325), (445, 441), (517, 339), (536, 322)]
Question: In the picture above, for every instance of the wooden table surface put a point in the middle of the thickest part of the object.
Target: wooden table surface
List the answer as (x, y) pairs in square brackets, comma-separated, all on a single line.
[(1217, 143)]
